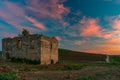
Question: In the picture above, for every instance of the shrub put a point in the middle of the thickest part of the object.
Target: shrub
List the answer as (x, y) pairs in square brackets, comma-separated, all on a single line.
[(8, 76), (23, 60), (115, 59), (71, 67), (87, 78)]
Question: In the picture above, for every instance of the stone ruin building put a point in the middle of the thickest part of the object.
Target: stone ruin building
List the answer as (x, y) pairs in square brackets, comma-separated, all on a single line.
[(31, 47)]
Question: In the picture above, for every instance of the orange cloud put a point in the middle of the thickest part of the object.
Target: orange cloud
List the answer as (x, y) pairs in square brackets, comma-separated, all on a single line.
[(114, 41), (107, 35), (116, 24), (108, 47), (111, 50)]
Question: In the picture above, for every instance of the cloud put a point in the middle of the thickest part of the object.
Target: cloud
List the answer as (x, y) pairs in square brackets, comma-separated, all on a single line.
[(116, 24), (114, 41), (108, 40), (12, 14), (58, 38), (79, 42), (48, 8), (15, 16), (108, 46), (104, 49), (90, 27), (14, 9), (36, 23), (7, 34), (107, 49)]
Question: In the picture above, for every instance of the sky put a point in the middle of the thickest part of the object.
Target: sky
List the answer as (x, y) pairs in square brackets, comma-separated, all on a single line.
[(82, 25)]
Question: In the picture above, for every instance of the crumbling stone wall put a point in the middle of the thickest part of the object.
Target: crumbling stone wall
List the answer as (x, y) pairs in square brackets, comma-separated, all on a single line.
[(49, 50), (33, 47)]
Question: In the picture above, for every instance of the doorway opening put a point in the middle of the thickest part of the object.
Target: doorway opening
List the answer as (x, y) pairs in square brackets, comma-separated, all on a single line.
[(52, 61)]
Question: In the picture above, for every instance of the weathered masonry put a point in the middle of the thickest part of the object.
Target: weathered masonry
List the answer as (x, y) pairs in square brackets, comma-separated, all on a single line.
[(32, 47)]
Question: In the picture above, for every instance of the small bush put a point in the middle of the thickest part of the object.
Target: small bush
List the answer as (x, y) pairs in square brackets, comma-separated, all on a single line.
[(8, 76), (87, 78), (71, 67), (115, 59), (23, 60)]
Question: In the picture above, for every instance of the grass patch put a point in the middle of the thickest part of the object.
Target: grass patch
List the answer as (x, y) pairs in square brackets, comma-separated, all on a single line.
[(86, 78), (71, 65), (115, 59), (9, 76), (82, 64)]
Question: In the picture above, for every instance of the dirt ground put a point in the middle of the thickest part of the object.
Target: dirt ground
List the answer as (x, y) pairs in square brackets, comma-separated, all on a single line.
[(99, 73), (35, 73)]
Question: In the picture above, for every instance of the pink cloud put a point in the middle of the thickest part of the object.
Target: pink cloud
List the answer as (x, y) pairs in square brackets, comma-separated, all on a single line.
[(50, 8), (9, 14), (14, 15), (116, 24), (6, 34), (36, 23), (4, 15), (79, 42), (58, 38), (90, 27), (14, 9)]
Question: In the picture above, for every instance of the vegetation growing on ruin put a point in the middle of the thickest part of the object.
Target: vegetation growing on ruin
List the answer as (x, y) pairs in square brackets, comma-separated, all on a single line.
[(23, 60), (25, 32)]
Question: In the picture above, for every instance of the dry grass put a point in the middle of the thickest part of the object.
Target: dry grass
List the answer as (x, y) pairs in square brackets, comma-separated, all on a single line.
[(35, 72)]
